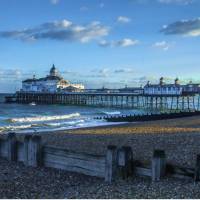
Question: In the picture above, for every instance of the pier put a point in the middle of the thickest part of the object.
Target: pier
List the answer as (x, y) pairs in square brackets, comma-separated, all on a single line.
[(186, 101)]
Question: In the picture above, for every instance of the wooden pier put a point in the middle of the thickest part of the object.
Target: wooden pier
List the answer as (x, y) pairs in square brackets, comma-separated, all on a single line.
[(120, 100)]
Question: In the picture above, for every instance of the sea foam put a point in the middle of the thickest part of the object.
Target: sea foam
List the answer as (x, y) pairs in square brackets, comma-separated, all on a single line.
[(44, 118), (112, 113)]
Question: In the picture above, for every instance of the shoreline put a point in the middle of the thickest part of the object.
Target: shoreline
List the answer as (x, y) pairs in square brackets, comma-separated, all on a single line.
[(61, 129), (99, 126)]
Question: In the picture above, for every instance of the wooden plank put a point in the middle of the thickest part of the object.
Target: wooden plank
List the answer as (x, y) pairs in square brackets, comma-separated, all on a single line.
[(141, 171), (182, 176), (175, 170), (91, 165), (64, 152), (68, 154), (73, 168), (87, 164)]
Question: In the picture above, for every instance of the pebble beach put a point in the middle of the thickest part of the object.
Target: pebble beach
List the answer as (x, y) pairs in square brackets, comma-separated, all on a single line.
[(179, 138)]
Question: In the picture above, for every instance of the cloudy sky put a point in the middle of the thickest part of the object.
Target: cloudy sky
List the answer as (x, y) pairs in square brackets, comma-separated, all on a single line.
[(99, 42)]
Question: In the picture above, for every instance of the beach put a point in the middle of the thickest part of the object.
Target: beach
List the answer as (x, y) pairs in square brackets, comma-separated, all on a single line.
[(180, 138), (17, 181)]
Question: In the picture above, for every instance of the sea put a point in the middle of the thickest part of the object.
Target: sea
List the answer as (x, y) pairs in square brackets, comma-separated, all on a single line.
[(27, 118)]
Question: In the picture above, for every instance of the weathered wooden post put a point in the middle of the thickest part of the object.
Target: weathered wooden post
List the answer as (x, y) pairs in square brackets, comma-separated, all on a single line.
[(197, 169), (158, 165), (111, 164), (35, 149), (32, 151), (1, 147), (125, 161), (27, 139), (11, 147)]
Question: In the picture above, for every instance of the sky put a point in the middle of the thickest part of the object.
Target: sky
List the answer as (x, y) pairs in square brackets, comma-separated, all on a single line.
[(110, 43)]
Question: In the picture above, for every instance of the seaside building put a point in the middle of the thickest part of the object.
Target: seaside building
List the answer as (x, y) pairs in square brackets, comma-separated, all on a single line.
[(136, 90), (53, 82), (191, 88), (163, 89)]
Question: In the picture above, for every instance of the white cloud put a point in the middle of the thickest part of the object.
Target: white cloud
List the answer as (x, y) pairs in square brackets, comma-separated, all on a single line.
[(162, 45), (126, 42), (123, 19), (183, 27), (104, 43), (124, 70), (63, 30)]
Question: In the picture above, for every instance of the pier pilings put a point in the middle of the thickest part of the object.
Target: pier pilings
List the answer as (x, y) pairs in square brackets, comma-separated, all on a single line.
[(118, 100)]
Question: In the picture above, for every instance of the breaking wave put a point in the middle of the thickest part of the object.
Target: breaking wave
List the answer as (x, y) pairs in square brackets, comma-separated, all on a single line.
[(8, 128), (44, 118), (65, 123), (112, 113)]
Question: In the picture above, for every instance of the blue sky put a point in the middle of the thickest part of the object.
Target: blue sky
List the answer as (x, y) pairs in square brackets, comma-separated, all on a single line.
[(99, 42)]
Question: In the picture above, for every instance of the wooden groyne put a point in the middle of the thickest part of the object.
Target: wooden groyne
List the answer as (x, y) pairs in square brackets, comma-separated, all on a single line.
[(148, 117), (116, 163), (113, 99)]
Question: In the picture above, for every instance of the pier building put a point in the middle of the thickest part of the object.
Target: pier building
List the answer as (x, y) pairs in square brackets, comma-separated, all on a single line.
[(192, 88), (53, 82), (53, 89), (163, 89)]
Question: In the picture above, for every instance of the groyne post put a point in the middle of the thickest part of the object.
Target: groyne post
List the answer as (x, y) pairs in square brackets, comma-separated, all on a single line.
[(197, 169), (111, 163), (158, 165), (12, 147), (125, 161), (27, 139), (32, 150)]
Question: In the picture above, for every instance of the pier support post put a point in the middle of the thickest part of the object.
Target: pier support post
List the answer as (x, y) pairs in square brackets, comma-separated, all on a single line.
[(12, 147), (32, 151), (125, 162), (111, 164), (158, 165), (27, 139), (197, 169)]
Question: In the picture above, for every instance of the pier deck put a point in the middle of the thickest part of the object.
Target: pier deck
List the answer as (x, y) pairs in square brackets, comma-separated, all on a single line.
[(114, 99)]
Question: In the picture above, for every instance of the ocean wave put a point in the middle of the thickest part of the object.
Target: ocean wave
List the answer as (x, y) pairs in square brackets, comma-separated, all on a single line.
[(112, 113), (44, 118), (8, 128), (65, 123)]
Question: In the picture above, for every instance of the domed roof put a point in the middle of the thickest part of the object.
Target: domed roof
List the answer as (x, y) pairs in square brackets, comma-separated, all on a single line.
[(162, 81), (53, 71)]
